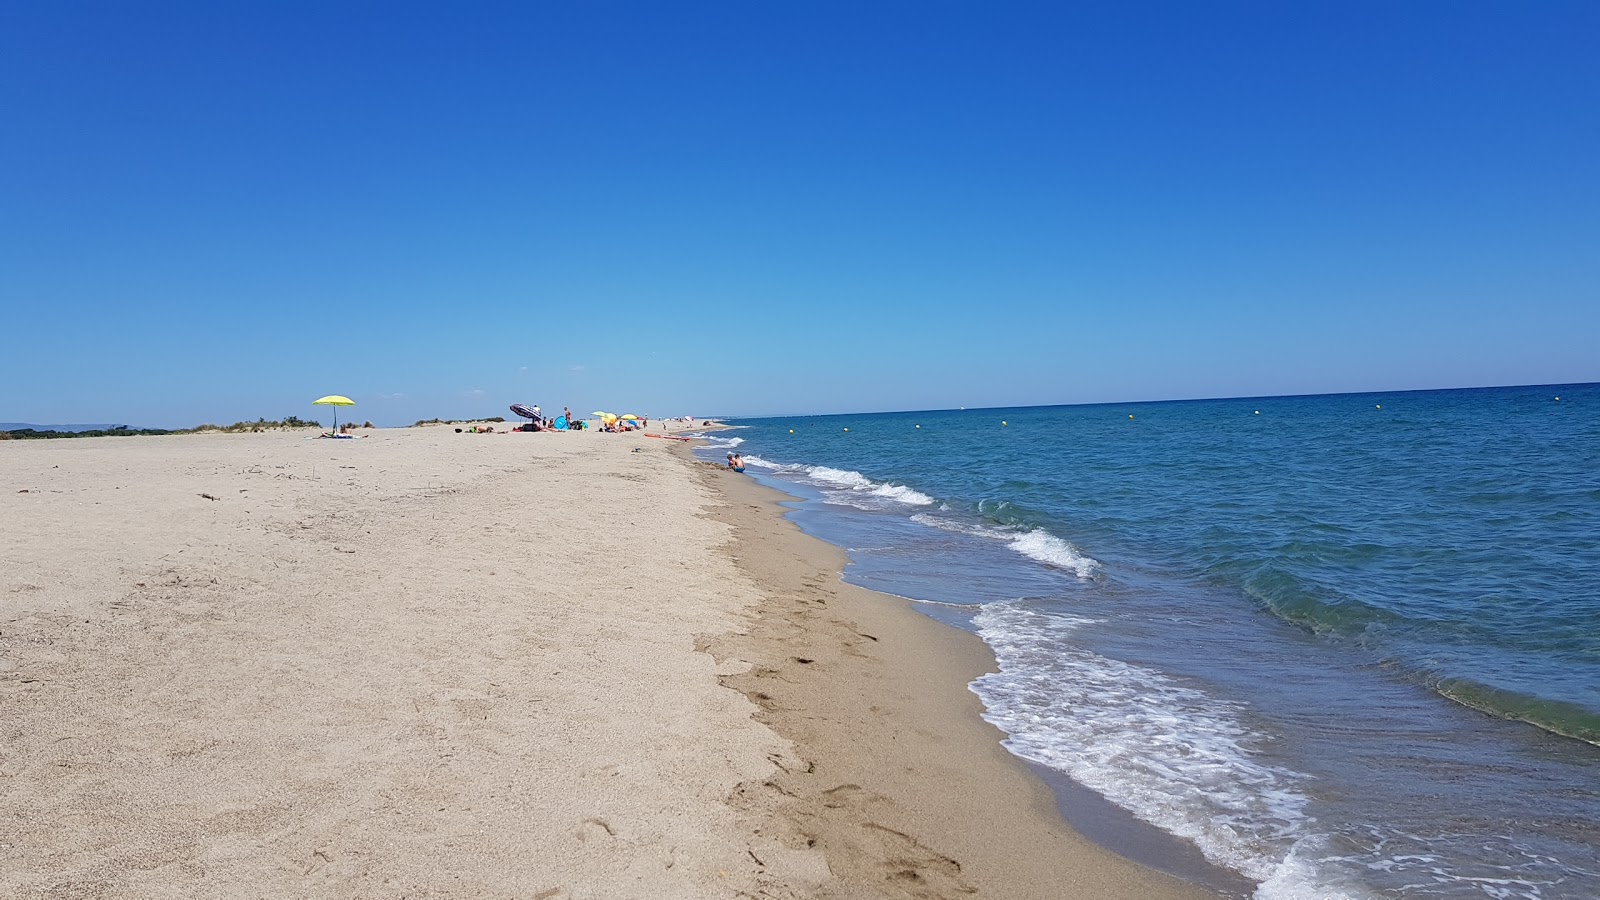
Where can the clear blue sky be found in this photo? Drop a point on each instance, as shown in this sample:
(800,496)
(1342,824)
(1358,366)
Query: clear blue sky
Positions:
(216,211)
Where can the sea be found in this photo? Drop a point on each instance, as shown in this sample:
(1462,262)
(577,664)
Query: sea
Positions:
(1329,646)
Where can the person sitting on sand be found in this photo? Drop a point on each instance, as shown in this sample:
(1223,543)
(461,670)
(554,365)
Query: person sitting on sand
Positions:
(736,462)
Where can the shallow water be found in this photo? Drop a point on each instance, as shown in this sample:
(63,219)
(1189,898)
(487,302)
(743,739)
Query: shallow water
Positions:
(1344,645)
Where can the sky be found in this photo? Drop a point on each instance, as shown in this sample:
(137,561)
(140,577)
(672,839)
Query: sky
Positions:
(212,212)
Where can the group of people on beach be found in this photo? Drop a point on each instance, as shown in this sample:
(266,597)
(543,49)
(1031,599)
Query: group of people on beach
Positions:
(613,424)
(736,462)
(541,422)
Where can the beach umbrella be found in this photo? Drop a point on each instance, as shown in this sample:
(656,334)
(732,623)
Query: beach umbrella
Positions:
(631,417)
(335,401)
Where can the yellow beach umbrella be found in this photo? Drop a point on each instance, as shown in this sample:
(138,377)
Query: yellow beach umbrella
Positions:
(335,401)
(631,417)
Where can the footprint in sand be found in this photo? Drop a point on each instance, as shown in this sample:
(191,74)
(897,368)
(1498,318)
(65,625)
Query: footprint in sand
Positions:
(595,827)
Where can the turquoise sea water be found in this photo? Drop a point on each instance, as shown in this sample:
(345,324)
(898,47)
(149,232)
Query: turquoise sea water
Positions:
(1345,645)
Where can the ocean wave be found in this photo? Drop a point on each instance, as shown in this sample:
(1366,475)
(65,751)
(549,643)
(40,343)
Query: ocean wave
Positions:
(1037,544)
(1326,612)
(841,477)
(944,523)
(1560,717)
(1047,548)
(845,486)
(1299,877)
(903,494)
(1169,753)
(1433,864)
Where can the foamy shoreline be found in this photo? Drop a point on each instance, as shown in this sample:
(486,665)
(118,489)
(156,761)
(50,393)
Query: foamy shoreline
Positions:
(422,662)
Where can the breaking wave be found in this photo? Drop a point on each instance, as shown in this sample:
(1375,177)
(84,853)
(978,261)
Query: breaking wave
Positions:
(1037,544)
(846,487)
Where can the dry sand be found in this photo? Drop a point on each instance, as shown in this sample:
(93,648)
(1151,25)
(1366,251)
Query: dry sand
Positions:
(430,664)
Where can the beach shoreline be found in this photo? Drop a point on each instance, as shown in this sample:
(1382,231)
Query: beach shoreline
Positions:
(905,786)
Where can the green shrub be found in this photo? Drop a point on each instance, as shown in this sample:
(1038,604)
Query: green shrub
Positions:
(25,434)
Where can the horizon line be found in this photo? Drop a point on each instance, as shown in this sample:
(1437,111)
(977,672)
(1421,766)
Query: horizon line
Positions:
(888,412)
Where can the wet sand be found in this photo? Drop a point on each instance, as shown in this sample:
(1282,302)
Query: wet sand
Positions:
(905,789)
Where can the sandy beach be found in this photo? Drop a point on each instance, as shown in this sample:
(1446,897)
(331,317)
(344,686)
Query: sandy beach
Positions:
(427,663)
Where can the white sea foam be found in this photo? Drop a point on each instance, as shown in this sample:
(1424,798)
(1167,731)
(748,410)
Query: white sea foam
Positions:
(903,494)
(1036,544)
(841,477)
(1047,548)
(846,487)
(1434,863)
(1167,752)
(1297,877)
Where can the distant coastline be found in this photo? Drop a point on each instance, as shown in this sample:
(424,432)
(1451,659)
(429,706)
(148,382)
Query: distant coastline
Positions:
(22,431)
